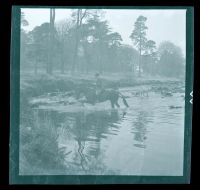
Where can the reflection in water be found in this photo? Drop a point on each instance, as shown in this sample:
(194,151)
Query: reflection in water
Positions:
(91,128)
(81,146)
(80,137)
(88,130)
(139,128)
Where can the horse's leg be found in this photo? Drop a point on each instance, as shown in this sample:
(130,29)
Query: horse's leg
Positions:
(117,104)
(112,104)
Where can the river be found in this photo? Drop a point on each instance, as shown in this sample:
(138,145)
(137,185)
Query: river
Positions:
(145,139)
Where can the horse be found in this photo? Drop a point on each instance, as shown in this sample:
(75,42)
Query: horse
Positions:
(111,95)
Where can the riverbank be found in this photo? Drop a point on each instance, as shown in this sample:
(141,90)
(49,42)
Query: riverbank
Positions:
(67,82)
(59,89)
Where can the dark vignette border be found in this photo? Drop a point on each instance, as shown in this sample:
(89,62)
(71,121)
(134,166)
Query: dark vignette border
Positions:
(14,178)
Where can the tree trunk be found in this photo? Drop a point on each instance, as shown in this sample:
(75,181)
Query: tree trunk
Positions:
(76,42)
(140,64)
(100,58)
(140,50)
(75,55)
(87,58)
(62,67)
(132,68)
(140,60)
(62,70)
(51,41)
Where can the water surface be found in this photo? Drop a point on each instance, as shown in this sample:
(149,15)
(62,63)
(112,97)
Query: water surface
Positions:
(145,139)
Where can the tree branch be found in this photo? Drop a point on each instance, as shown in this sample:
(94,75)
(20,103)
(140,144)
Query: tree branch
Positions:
(83,15)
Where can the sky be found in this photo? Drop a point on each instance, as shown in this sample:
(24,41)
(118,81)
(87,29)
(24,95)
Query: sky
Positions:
(163,24)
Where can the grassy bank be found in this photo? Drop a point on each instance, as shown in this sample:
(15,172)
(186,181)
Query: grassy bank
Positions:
(38,84)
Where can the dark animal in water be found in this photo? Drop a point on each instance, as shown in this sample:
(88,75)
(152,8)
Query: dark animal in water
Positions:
(108,94)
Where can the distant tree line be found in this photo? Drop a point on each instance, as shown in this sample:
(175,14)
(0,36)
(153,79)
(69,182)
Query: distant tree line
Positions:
(85,43)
